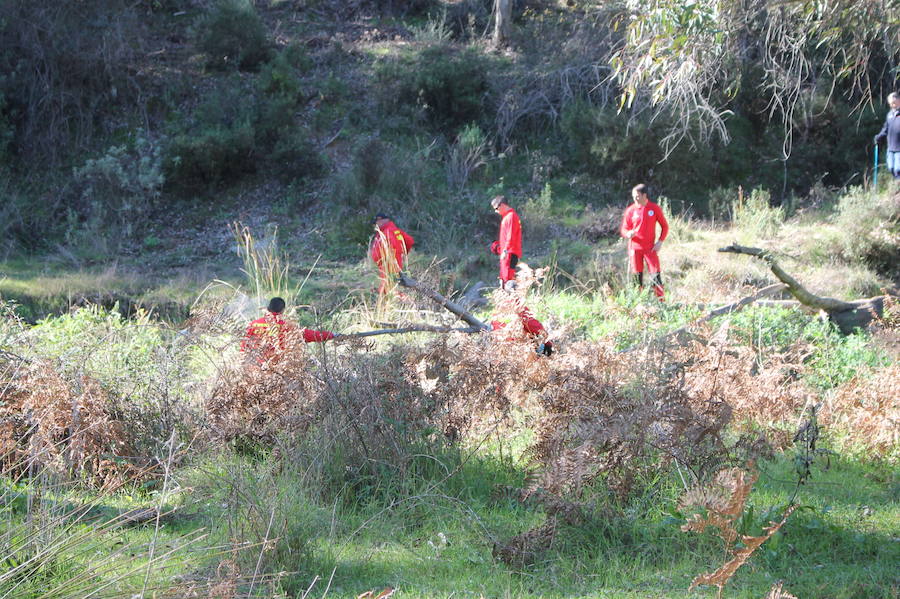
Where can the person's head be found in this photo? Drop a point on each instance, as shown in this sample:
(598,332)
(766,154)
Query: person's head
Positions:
(893,100)
(497,202)
(276,305)
(380,219)
(640,194)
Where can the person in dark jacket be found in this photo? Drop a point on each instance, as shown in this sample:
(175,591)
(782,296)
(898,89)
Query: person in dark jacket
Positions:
(891,131)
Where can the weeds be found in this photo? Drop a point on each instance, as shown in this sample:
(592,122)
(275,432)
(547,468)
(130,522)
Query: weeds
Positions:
(265,266)
(756,217)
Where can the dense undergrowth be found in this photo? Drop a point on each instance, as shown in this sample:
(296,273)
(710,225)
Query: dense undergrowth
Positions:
(462,463)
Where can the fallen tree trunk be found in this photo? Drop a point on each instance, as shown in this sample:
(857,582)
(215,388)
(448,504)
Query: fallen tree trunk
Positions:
(453,307)
(407,329)
(848,316)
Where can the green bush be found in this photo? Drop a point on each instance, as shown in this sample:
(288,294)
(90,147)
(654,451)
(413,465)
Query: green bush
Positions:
(66,67)
(295,157)
(449,87)
(211,155)
(381,176)
(244,127)
(834,359)
(756,216)
(121,187)
(870,227)
(117,351)
(233,36)
(279,77)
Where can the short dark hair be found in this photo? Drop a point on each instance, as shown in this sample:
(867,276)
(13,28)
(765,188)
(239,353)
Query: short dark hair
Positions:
(379,216)
(641,188)
(497,200)
(276,305)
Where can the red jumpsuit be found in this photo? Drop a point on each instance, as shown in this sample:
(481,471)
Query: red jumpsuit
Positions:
(643,219)
(266,336)
(509,245)
(531,327)
(388,250)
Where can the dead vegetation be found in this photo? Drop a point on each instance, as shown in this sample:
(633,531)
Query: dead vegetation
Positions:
(723,500)
(47,421)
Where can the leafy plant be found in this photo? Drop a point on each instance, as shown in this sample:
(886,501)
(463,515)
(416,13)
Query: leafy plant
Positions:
(233,36)
(871,229)
(466,156)
(120,187)
(755,216)
(448,86)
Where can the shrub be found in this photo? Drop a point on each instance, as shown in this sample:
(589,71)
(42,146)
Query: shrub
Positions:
(447,85)
(434,30)
(233,36)
(295,157)
(756,216)
(211,155)
(278,77)
(121,187)
(466,156)
(66,66)
(871,230)
(216,143)
(240,129)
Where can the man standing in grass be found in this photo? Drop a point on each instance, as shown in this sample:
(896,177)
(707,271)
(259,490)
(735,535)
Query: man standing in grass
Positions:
(269,336)
(891,131)
(639,228)
(509,244)
(388,250)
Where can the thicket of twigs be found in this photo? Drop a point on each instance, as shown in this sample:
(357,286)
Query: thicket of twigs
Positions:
(598,413)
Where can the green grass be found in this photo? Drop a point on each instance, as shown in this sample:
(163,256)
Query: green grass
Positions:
(433,538)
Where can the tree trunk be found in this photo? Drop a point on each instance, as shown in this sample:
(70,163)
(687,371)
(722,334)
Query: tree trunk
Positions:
(443,301)
(848,316)
(502,20)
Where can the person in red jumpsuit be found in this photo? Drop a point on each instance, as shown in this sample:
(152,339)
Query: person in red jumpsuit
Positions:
(531,329)
(639,228)
(509,244)
(269,336)
(388,250)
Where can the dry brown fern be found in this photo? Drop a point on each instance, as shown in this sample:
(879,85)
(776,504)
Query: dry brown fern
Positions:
(49,421)
(777,592)
(866,410)
(723,500)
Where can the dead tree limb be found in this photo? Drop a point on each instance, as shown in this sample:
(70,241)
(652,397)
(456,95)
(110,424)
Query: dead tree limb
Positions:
(409,329)
(846,315)
(453,307)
